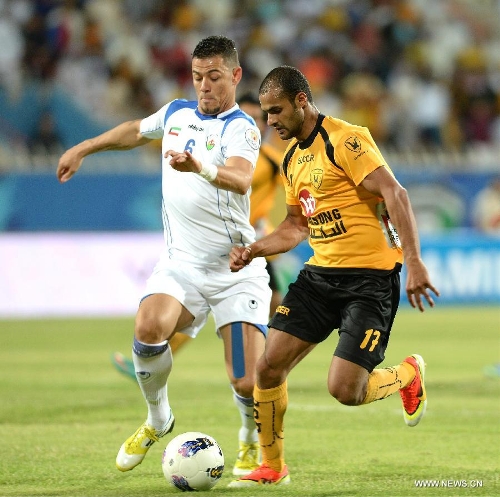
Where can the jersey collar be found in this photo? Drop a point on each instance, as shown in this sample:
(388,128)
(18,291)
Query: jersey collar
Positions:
(308,141)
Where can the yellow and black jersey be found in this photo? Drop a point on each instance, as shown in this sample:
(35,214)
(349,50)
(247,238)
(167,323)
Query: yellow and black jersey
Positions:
(349,227)
(265,180)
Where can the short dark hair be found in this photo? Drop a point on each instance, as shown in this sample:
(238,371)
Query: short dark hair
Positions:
(288,80)
(217,45)
(251,98)
(248,98)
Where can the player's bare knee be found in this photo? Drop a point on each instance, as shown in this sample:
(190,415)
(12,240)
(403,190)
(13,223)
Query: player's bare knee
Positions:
(148,330)
(244,386)
(269,375)
(346,395)
(263,367)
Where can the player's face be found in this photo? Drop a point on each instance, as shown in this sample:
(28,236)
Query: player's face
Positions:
(286,117)
(215,84)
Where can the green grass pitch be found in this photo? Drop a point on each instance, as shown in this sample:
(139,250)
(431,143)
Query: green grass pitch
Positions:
(64,412)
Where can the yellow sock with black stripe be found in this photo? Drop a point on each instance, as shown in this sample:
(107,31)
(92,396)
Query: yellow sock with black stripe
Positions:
(386,381)
(269,410)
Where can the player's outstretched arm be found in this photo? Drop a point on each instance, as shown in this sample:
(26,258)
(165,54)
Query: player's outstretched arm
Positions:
(125,136)
(380,182)
(287,235)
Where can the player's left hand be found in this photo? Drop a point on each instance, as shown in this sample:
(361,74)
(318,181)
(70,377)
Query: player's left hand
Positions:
(239,257)
(418,285)
(68,165)
(183,161)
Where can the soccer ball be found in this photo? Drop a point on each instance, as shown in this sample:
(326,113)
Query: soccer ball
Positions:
(193,461)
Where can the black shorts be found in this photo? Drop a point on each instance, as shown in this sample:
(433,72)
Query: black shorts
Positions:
(273,281)
(360,303)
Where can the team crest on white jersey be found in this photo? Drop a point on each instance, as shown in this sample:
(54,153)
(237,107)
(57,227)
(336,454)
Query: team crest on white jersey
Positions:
(252,138)
(211,142)
(308,203)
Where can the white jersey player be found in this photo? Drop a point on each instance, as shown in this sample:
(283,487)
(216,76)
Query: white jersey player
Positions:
(209,151)
(201,221)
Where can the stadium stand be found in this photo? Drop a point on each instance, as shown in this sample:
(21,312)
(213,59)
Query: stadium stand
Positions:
(423,75)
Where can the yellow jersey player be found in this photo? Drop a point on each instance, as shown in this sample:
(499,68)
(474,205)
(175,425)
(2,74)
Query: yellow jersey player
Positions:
(343,197)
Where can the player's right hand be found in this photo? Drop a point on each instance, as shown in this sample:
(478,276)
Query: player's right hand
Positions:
(239,257)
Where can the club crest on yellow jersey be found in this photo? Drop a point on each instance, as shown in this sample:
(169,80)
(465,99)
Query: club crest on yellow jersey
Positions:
(316,177)
(353,144)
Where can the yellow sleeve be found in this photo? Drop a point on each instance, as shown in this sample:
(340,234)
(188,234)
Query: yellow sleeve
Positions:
(290,198)
(358,155)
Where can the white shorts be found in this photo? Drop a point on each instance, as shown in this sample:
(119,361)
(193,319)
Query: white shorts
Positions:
(232,297)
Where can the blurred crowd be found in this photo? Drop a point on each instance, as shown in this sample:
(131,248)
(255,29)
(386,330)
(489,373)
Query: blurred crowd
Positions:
(423,75)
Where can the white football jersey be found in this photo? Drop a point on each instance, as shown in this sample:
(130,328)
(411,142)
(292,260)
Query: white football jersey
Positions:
(202,222)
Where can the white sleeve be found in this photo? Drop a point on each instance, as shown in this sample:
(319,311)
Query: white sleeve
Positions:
(152,126)
(242,139)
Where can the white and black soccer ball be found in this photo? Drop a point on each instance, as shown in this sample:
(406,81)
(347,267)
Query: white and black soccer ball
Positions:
(193,461)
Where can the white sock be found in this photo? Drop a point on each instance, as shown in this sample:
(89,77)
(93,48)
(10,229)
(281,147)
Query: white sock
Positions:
(152,374)
(248,430)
